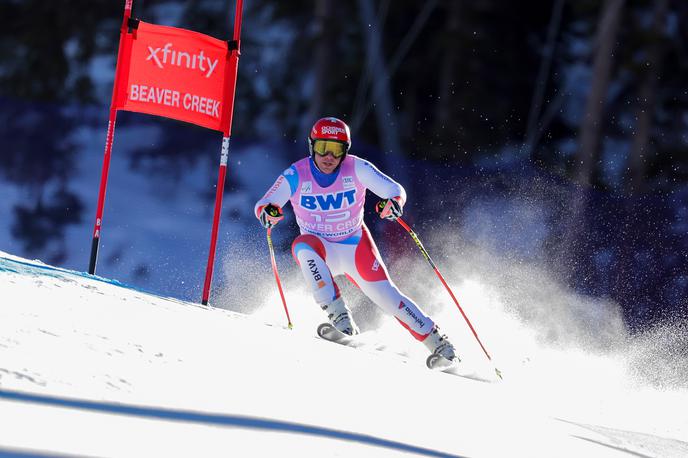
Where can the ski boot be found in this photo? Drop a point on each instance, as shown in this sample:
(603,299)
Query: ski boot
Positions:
(340,317)
(443,352)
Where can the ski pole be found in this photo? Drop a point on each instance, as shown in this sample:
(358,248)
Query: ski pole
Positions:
(277,278)
(439,275)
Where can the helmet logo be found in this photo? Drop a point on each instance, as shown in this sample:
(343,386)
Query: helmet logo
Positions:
(332,130)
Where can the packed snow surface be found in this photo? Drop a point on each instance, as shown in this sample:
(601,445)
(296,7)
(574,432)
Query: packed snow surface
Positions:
(89,366)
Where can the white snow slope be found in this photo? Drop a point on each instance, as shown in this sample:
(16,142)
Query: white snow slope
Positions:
(91,367)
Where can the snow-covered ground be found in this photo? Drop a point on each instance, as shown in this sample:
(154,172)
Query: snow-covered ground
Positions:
(91,367)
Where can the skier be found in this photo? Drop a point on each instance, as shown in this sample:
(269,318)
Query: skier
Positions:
(327,193)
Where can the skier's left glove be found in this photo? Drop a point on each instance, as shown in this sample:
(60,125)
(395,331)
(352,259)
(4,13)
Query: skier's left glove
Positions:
(390,209)
(270,215)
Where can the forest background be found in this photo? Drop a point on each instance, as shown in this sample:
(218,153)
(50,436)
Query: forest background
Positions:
(549,132)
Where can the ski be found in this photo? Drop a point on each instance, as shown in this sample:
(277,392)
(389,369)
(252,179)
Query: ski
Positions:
(437,362)
(433,362)
(328,332)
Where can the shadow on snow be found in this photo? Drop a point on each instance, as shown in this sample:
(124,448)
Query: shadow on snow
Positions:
(238,421)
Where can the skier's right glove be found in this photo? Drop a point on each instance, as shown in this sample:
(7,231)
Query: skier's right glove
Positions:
(270,215)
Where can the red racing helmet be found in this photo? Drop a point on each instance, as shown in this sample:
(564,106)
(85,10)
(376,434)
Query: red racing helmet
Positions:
(330,129)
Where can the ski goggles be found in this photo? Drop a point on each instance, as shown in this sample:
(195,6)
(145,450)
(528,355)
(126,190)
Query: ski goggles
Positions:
(323,147)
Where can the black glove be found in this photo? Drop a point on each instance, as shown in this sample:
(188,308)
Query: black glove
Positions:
(270,215)
(389,209)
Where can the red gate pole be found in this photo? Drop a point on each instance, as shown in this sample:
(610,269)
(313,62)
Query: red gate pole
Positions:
(108,144)
(228,111)
(216,219)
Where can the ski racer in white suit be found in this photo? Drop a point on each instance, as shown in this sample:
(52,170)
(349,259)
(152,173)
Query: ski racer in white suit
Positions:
(327,193)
